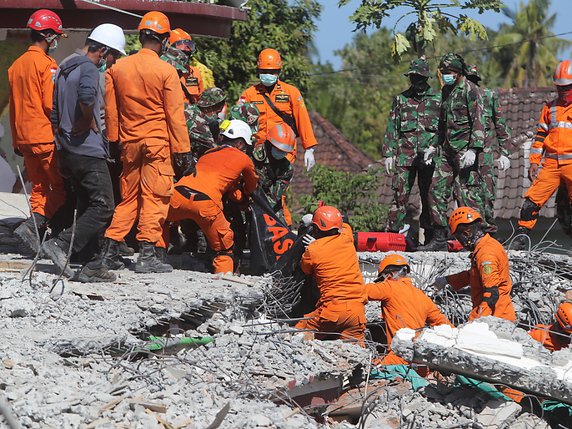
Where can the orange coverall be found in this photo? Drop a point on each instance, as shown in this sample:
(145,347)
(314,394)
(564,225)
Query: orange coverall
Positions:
(31,79)
(489,278)
(554,142)
(403,306)
(218,171)
(544,334)
(193,81)
(340,310)
(287,99)
(145,114)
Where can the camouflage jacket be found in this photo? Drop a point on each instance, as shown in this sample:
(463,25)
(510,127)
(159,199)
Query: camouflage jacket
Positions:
(495,125)
(462,117)
(412,125)
(202,134)
(274,176)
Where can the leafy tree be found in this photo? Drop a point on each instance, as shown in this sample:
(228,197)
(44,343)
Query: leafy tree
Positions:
(531,52)
(432,17)
(274,24)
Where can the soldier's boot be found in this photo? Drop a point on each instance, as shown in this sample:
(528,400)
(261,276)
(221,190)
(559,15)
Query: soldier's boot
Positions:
(148,262)
(161,253)
(57,251)
(521,239)
(94,271)
(26,233)
(125,250)
(438,241)
(110,257)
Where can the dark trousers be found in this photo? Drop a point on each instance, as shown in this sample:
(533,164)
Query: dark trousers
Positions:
(91,183)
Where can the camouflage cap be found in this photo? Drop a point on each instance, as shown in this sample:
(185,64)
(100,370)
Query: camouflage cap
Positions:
(453,62)
(247,112)
(420,67)
(176,58)
(211,97)
(472,70)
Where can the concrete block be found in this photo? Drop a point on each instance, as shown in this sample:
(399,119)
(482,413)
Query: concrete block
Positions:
(498,413)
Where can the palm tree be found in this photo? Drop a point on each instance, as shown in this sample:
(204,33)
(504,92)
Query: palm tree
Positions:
(530,51)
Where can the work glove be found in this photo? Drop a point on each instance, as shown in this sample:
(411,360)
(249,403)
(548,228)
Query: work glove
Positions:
(184,164)
(307,219)
(440,283)
(309,160)
(532,172)
(389,164)
(504,163)
(468,158)
(427,155)
(404,229)
(307,240)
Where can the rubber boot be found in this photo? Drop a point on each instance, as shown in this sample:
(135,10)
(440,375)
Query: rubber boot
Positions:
(148,262)
(521,239)
(110,257)
(438,241)
(26,233)
(125,250)
(96,272)
(57,251)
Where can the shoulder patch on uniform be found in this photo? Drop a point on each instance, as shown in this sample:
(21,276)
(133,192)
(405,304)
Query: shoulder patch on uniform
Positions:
(487,267)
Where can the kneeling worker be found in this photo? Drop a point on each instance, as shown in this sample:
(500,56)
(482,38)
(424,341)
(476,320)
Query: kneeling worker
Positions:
(402,304)
(198,196)
(332,259)
(556,336)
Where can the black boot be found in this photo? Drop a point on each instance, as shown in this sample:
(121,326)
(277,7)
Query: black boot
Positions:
(125,250)
(161,253)
(26,233)
(110,257)
(94,271)
(438,241)
(521,239)
(148,262)
(57,251)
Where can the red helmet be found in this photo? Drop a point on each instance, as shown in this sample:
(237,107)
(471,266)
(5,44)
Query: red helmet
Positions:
(564,316)
(282,137)
(327,218)
(45,19)
(463,215)
(563,74)
(269,59)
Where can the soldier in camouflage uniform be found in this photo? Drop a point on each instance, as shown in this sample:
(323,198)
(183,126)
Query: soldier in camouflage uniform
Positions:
(247,112)
(497,141)
(203,121)
(459,150)
(411,128)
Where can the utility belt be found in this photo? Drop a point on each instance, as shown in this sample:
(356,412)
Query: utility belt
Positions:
(191,194)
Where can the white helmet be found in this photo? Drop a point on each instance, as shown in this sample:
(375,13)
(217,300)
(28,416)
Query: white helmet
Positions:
(239,129)
(109,35)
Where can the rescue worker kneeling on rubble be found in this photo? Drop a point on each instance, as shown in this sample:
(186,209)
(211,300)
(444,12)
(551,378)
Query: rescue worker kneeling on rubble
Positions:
(198,195)
(331,257)
(402,304)
(489,275)
(557,335)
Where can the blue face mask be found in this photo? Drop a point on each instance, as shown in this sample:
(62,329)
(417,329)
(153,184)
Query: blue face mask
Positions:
(277,154)
(449,79)
(102,66)
(268,79)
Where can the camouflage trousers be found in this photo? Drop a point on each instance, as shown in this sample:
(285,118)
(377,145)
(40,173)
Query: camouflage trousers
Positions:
(489,189)
(465,185)
(401,184)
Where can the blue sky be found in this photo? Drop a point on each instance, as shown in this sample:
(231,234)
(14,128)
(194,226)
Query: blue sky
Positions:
(335,29)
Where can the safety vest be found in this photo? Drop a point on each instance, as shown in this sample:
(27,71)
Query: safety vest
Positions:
(554,134)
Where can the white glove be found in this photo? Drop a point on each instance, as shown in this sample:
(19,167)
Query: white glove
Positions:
(389,164)
(307,219)
(504,163)
(427,155)
(405,228)
(307,240)
(309,160)
(440,283)
(468,158)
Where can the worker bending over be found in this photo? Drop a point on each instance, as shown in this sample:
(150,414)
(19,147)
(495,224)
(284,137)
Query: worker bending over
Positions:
(557,335)
(332,259)
(489,275)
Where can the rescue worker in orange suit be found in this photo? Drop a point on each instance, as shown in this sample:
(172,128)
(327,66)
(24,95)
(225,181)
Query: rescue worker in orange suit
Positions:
(145,115)
(331,258)
(191,80)
(489,276)
(280,103)
(402,304)
(557,335)
(31,80)
(198,196)
(552,148)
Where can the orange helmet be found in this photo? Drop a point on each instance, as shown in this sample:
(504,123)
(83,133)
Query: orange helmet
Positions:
(564,316)
(327,218)
(282,137)
(563,74)
(463,215)
(269,59)
(156,22)
(182,40)
(393,260)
